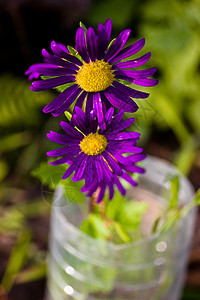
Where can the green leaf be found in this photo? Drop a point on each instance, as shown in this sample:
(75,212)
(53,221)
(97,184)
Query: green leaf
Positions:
(114,207)
(3,169)
(63,87)
(74,52)
(49,175)
(15,140)
(186,156)
(131,214)
(16,260)
(171,219)
(83,26)
(95,227)
(121,232)
(52,177)
(196,202)
(175,185)
(31,274)
(18,102)
(68,115)
(110,44)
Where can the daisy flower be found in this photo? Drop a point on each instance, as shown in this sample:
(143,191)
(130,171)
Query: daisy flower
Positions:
(94,71)
(95,153)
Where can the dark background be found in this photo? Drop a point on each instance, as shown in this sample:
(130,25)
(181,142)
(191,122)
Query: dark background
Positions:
(169,120)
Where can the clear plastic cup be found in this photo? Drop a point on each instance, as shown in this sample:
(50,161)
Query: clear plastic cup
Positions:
(152,268)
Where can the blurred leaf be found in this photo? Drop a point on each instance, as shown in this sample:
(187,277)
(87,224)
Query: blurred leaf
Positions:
(175,186)
(49,175)
(52,177)
(121,232)
(3,169)
(11,220)
(16,260)
(168,111)
(113,9)
(131,214)
(95,227)
(18,102)
(194,203)
(15,140)
(186,156)
(31,274)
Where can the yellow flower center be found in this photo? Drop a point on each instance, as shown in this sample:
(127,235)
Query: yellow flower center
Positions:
(93,144)
(95,76)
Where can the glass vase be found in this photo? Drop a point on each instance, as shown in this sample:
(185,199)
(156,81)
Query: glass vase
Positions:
(152,268)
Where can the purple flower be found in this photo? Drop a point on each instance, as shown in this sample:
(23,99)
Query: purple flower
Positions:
(95,153)
(94,72)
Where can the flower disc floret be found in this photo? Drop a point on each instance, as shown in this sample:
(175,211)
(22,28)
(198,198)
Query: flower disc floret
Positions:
(93,144)
(95,76)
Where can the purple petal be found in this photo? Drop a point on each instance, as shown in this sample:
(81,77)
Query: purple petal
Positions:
(129,179)
(131,149)
(137,157)
(103,33)
(59,99)
(135,74)
(132,63)
(80,100)
(129,51)
(89,174)
(111,190)
(99,169)
(81,44)
(92,189)
(89,103)
(43,65)
(118,44)
(71,130)
(93,121)
(134,169)
(97,104)
(61,109)
(112,163)
(107,173)
(116,127)
(120,101)
(62,139)
(109,115)
(63,151)
(64,54)
(145,82)
(81,120)
(42,85)
(55,71)
(58,61)
(119,186)
(129,91)
(122,135)
(32,74)
(80,170)
(64,159)
(118,157)
(91,43)
(118,117)
(101,193)
(74,165)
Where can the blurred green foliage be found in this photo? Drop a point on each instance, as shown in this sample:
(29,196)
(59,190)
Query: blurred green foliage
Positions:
(172,32)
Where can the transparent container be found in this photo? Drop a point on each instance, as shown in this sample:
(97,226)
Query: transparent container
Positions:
(83,268)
